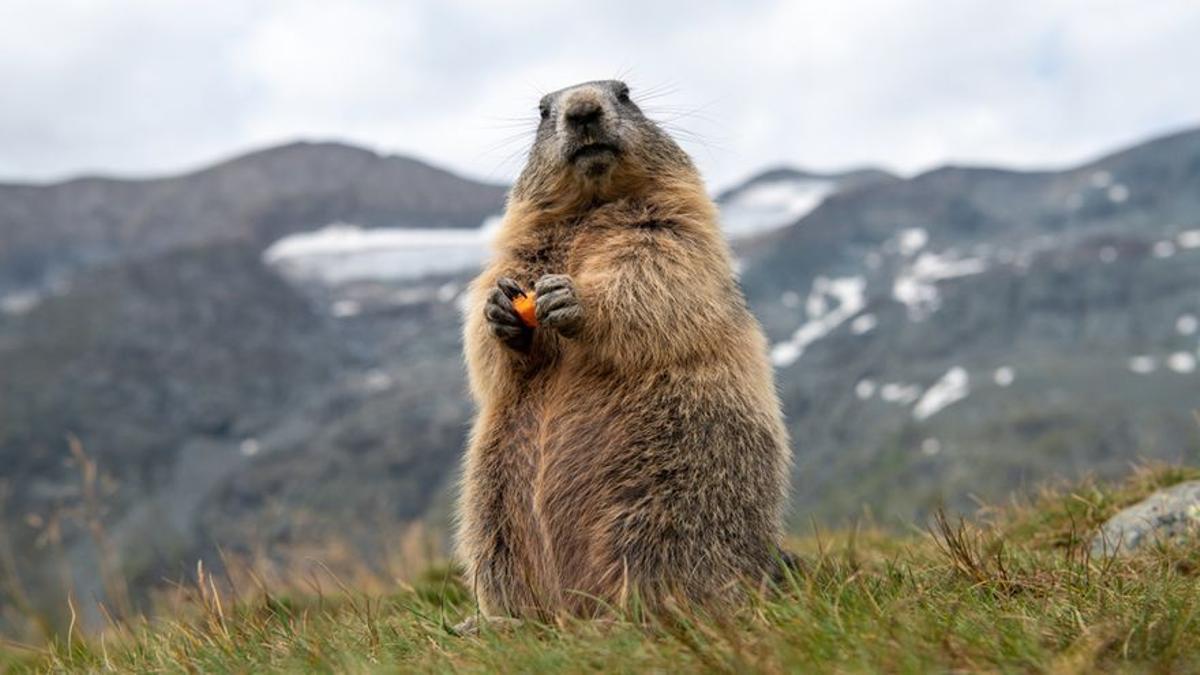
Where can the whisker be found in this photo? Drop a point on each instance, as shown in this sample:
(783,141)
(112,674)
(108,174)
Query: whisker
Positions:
(687,136)
(523,137)
(538,90)
(655,94)
(508,126)
(518,118)
(685,115)
(661,89)
(517,142)
(690,111)
(508,161)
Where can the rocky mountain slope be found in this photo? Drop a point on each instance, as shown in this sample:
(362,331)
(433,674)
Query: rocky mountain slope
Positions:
(50,231)
(971,329)
(141,318)
(778,197)
(261,355)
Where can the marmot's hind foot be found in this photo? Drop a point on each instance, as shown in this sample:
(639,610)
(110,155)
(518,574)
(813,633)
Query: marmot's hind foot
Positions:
(789,566)
(474,625)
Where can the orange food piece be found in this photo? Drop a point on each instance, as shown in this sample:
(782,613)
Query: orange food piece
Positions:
(526,309)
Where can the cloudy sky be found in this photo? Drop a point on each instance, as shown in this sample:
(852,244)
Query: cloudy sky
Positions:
(138,87)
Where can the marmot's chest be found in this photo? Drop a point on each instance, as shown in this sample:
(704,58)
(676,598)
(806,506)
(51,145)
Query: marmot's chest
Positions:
(543,254)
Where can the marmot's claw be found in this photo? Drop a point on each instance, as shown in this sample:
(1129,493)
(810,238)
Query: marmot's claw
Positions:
(557,305)
(510,288)
(503,321)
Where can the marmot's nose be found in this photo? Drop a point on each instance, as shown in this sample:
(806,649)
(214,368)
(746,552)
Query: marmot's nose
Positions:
(582,115)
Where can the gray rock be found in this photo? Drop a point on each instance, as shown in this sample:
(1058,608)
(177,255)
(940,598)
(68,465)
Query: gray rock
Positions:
(1167,515)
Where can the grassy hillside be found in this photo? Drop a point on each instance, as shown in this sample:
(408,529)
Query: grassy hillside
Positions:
(1016,591)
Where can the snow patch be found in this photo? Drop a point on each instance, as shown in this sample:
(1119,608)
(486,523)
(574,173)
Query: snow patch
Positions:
(342,252)
(249,447)
(403,297)
(865,389)
(912,240)
(816,306)
(863,324)
(344,309)
(1164,249)
(850,295)
(447,292)
(916,286)
(1004,376)
(1143,364)
(1189,239)
(953,387)
(771,205)
(1118,193)
(19,302)
(463,303)
(1182,362)
(376,381)
(1101,179)
(1187,324)
(931,447)
(899,392)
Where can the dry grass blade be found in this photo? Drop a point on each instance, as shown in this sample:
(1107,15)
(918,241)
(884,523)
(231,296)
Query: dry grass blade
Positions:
(964,550)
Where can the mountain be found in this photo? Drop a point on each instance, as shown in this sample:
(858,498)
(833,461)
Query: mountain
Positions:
(263,356)
(48,232)
(971,330)
(778,197)
(141,318)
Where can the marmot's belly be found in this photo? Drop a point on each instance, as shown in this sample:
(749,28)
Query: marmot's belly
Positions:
(670,454)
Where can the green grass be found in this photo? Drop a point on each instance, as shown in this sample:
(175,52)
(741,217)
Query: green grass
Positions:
(1016,592)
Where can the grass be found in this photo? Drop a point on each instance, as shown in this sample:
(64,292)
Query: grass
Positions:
(1017,590)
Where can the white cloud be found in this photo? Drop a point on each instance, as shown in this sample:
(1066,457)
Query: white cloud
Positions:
(139,86)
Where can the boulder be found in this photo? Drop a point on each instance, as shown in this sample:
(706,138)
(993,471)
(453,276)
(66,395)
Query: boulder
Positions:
(1168,515)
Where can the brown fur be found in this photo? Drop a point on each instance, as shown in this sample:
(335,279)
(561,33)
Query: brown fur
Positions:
(646,454)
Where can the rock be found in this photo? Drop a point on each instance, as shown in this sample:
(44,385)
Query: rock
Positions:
(1166,515)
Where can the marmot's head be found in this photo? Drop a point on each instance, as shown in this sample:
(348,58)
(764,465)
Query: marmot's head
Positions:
(593,142)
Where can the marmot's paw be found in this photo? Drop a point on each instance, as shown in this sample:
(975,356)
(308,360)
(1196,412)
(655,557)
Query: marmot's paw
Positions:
(503,320)
(557,305)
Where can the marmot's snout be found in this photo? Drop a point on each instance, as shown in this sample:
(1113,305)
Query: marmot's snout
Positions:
(589,128)
(584,116)
(594,136)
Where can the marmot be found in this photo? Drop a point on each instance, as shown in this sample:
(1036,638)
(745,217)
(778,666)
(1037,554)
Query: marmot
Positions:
(632,444)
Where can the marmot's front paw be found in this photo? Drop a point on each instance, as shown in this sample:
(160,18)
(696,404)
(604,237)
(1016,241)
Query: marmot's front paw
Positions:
(503,320)
(557,305)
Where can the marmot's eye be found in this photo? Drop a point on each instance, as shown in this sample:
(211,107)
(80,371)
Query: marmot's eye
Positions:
(623,95)
(545,111)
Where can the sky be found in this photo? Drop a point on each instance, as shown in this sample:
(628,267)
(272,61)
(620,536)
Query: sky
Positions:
(145,87)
